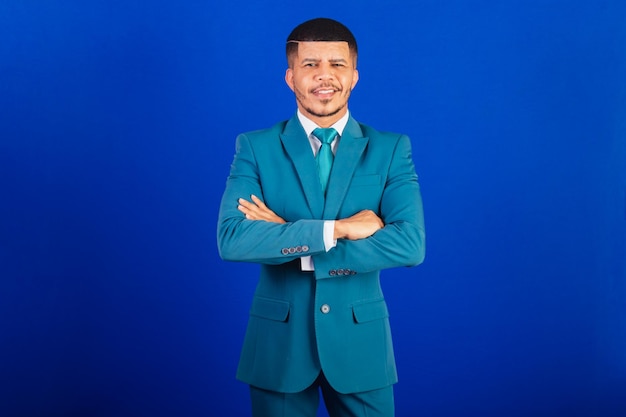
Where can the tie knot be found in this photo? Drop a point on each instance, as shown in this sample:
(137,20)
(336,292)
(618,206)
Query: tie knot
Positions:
(325,134)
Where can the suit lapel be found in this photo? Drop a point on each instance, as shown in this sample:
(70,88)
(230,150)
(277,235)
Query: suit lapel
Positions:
(346,160)
(299,150)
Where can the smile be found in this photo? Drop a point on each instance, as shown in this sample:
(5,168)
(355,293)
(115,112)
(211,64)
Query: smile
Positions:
(325,93)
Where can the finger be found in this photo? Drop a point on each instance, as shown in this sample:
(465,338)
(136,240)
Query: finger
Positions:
(243,209)
(250,214)
(258,201)
(246,203)
(247,207)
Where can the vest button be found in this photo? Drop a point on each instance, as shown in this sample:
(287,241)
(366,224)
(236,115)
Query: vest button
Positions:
(325,308)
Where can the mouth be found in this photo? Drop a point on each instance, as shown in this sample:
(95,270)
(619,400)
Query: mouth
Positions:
(324,92)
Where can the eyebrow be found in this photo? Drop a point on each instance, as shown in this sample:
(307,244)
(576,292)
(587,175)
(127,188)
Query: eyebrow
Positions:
(332,60)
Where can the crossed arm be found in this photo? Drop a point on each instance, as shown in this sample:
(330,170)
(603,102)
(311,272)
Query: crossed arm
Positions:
(359,226)
(365,242)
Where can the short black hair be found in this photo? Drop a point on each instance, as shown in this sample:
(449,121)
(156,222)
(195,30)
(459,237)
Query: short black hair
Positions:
(320,29)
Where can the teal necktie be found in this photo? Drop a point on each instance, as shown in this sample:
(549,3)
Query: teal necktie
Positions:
(325,154)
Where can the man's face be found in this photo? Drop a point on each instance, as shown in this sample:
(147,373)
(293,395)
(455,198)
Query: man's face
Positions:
(322,75)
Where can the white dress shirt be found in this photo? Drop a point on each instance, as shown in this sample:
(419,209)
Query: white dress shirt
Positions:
(316,144)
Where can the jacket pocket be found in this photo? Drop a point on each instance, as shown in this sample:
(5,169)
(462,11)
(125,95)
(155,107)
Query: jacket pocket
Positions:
(270,309)
(370,311)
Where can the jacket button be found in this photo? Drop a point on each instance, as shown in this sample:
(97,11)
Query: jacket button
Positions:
(325,308)
(292,250)
(285,251)
(332,272)
(305,248)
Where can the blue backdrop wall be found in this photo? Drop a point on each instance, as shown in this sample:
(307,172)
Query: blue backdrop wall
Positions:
(117,128)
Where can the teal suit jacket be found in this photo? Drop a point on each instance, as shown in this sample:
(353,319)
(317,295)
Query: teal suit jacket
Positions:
(334,319)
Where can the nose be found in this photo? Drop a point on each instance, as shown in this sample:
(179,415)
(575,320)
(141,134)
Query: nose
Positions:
(326,72)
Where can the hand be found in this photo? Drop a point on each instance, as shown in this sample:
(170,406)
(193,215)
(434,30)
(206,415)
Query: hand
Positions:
(257,210)
(363,224)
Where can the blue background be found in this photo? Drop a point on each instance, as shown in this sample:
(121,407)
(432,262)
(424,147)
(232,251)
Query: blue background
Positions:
(117,128)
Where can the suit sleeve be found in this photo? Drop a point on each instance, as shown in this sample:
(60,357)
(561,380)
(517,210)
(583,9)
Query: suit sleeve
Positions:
(401,242)
(259,241)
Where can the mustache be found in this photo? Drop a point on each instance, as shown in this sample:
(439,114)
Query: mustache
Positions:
(326,86)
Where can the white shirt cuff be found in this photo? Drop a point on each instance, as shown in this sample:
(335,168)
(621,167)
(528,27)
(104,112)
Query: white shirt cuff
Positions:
(329,232)
(306,262)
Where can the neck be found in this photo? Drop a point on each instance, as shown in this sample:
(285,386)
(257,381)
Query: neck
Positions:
(324,121)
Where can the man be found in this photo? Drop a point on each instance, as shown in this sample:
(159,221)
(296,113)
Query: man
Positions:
(318,319)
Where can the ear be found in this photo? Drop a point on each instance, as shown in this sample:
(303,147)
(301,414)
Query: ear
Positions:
(289,78)
(355,77)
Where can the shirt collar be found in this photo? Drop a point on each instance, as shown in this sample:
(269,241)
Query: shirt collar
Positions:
(310,125)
